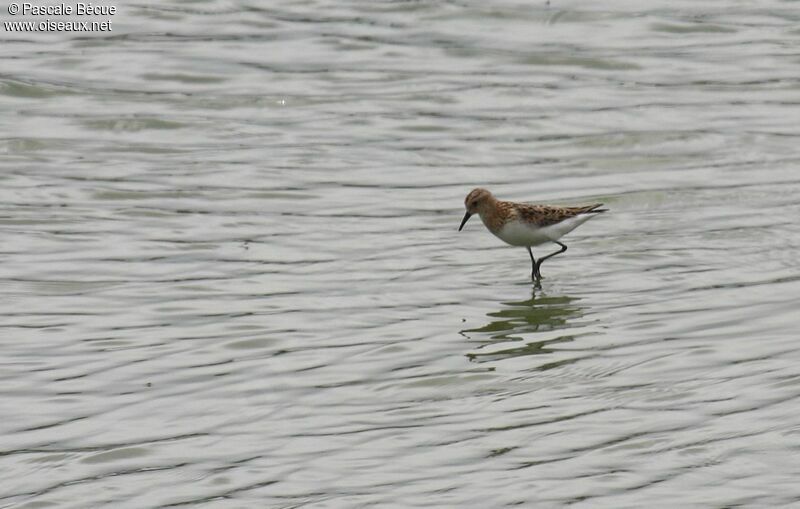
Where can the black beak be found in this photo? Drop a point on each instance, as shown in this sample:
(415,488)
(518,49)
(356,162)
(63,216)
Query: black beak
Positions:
(464,221)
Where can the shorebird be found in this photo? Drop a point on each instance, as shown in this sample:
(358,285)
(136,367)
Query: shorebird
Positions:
(520,224)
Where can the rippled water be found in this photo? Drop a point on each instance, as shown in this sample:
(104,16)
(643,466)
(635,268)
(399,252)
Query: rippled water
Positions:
(231,275)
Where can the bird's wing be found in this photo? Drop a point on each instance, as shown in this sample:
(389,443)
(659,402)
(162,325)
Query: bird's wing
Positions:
(546,215)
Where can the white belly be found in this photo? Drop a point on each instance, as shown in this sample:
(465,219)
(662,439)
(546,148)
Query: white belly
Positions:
(518,233)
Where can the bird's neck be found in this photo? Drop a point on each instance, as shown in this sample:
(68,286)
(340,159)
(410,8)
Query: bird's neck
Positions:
(495,213)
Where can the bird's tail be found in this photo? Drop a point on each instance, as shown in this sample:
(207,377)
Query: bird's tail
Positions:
(593,209)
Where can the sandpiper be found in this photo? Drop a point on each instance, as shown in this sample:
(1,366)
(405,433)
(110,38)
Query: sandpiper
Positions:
(519,224)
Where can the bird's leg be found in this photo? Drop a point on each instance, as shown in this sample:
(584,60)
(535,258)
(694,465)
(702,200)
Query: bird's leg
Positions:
(539,264)
(534,267)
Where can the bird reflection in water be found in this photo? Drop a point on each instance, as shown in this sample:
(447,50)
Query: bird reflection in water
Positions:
(518,320)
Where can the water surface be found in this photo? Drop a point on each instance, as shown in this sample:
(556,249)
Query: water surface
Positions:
(231,275)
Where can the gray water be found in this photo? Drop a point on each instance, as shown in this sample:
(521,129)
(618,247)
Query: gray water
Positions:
(230,273)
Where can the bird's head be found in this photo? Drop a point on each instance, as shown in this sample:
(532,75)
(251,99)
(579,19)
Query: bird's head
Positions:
(476,201)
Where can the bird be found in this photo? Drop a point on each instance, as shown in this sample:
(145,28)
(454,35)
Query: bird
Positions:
(521,224)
